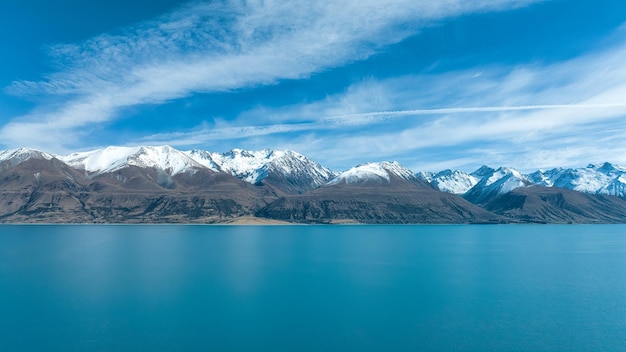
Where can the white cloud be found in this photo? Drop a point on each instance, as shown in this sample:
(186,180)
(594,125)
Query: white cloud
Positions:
(216,46)
(564,114)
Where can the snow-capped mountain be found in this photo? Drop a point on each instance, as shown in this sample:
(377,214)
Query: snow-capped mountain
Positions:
(158,184)
(500,181)
(606,179)
(426,176)
(482,172)
(381,172)
(289,170)
(245,164)
(12,157)
(451,181)
(456,181)
(205,158)
(110,159)
(20,155)
(295,173)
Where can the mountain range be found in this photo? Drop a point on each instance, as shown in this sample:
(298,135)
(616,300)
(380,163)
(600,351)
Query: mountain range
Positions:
(147,184)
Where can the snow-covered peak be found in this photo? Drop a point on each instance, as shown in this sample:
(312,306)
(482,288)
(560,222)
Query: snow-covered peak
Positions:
(603,178)
(243,163)
(109,159)
(426,176)
(17,156)
(607,168)
(374,172)
(500,181)
(482,172)
(256,166)
(204,158)
(506,177)
(454,181)
(292,165)
(544,177)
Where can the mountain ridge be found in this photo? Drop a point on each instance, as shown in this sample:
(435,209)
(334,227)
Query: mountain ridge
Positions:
(163,184)
(605,178)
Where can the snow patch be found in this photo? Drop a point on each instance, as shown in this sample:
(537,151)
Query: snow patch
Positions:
(254,166)
(376,172)
(17,156)
(452,181)
(606,179)
(110,159)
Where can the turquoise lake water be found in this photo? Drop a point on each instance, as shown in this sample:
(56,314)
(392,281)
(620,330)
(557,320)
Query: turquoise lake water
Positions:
(313,288)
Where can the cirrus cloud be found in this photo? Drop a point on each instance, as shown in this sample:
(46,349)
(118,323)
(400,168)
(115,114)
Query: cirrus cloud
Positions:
(214,47)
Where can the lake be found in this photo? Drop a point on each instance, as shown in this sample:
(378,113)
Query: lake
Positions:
(313,288)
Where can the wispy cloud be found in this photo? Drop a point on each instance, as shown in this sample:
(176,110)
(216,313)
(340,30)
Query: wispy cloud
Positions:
(211,47)
(342,121)
(568,113)
(533,115)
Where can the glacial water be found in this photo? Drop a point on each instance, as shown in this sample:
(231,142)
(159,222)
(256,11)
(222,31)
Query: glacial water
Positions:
(313,288)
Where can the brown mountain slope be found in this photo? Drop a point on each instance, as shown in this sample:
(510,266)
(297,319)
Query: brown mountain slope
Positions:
(399,201)
(558,205)
(49,191)
(200,196)
(39,190)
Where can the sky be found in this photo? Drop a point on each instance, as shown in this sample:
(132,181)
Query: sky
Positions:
(432,84)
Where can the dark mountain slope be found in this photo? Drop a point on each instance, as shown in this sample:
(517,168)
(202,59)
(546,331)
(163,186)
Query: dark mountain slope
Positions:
(200,196)
(39,190)
(399,201)
(49,191)
(558,205)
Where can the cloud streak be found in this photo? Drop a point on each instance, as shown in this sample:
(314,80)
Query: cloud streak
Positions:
(214,47)
(341,121)
(534,115)
(568,113)
(369,116)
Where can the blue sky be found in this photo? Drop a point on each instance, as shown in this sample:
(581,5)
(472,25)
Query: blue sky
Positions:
(432,84)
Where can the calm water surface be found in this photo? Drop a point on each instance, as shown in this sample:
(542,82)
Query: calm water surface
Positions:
(313,288)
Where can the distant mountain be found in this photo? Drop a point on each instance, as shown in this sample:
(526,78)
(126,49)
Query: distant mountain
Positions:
(451,181)
(495,183)
(376,193)
(164,159)
(143,184)
(205,158)
(605,179)
(163,184)
(483,171)
(560,195)
(13,157)
(557,205)
(376,173)
(288,171)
